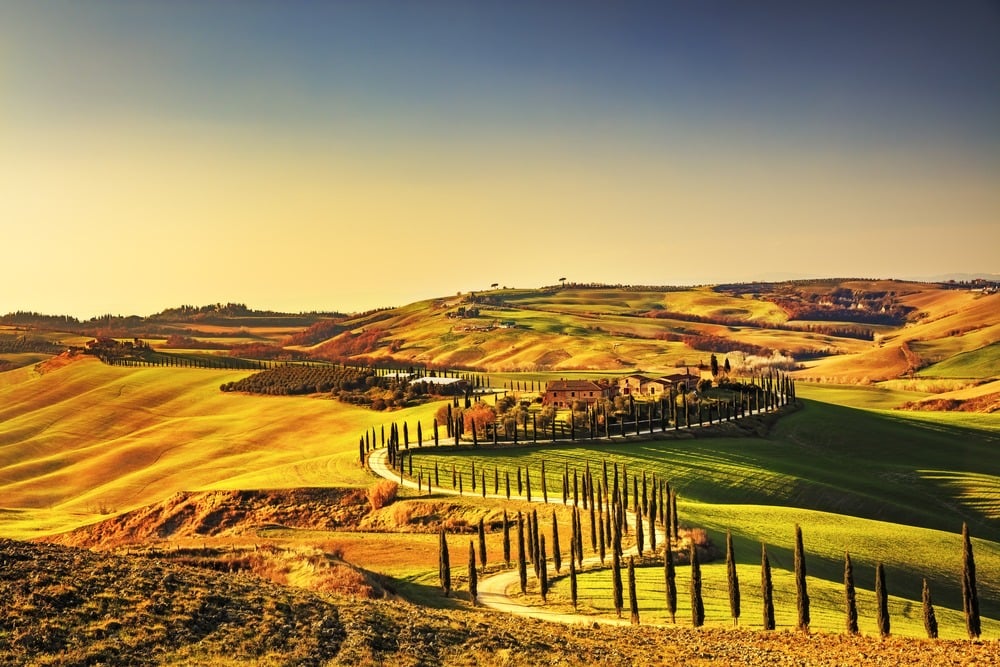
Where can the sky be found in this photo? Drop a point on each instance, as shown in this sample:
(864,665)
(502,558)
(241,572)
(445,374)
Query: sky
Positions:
(303,156)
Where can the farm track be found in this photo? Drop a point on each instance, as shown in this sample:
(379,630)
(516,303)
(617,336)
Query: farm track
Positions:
(493,590)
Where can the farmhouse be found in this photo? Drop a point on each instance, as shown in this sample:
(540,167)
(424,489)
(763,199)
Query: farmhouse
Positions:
(564,393)
(631,384)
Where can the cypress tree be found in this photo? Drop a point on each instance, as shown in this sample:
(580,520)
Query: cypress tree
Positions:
(733,580)
(633,600)
(535,535)
(674,521)
(473,582)
(850,598)
(572,581)
(600,542)
(930,620)
(522,567)
(607,528)
(667,515)
(593,527)
(882,601)
(506,539)
(970,597)
(444,564)
(482,482)
(556,556)
(506,482)
(801,593)
(579,537)
(766,590)
(532,553)
(543,570)
(496,481)
(697,606)
(640,541)
(616,583)
(670,579)
(652,522)
(482,545)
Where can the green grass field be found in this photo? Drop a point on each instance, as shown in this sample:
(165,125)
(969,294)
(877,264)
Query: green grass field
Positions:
(886,486)
(827,611)
(981,363)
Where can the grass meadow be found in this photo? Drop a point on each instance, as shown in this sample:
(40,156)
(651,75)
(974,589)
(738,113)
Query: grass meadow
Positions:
(885,486)
(89,440)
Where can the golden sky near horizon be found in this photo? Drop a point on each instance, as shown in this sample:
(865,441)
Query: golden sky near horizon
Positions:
(145,177)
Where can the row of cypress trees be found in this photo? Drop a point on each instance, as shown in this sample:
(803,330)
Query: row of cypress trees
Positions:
(531,545)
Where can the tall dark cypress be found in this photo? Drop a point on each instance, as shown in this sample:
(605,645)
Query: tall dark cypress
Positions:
(652,522)
(556,556)
(579,536)
(733,580)
(766,589)
(573,538)
(482,545)
(882,601)
(970,597)
(522,566)
(600,542)
(572,581)
(473,581)
(633,600)
(535,534)
(801,593)
(616,583)
(543,579)
(640,541)
(444,564)
(670,580)
(674,521)
(930,620)
(506,539)
(593,527)
(697,605)
(850,598)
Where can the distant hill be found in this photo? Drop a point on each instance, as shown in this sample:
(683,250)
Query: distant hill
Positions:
(836,329)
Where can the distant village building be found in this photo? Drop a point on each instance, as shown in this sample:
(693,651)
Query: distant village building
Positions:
(640,385)
(564,393)
(631,385)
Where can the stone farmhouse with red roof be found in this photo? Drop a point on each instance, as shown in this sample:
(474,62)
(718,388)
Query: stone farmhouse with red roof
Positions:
(564,393)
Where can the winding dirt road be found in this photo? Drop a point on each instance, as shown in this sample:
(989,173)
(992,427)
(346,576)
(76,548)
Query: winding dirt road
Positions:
(493,589)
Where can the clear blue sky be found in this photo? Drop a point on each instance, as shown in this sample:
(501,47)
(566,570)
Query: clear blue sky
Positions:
(348,155)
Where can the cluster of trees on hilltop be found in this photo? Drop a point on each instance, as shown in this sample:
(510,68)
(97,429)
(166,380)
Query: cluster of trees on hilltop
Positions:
(216,310)
(295,380)
(351,384)
(38,320)
(12,344)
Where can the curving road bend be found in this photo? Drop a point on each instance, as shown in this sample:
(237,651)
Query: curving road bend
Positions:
(493,589)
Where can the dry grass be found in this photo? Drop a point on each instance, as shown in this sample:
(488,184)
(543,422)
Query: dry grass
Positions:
(382,493)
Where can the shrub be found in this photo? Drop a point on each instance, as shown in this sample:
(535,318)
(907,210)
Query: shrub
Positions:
(382,493)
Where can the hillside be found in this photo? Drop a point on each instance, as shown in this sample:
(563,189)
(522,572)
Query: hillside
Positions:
(87,608)
(838,330)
